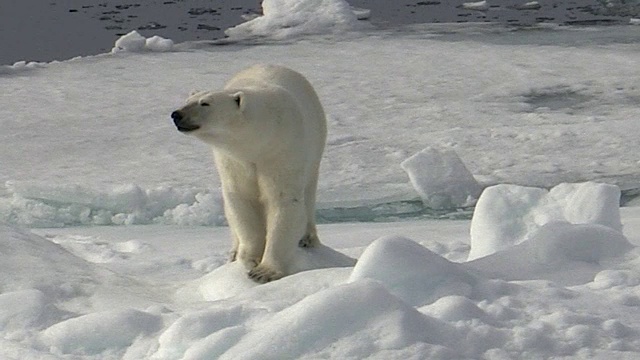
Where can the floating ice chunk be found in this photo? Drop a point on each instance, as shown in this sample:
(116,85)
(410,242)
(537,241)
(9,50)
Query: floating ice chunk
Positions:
(531,5)
(289,18)
(159,44)
(441,179)
(506,215)
(411,272)
(634,21)
(479,5)
(134,42)
(361,14)
(131,42)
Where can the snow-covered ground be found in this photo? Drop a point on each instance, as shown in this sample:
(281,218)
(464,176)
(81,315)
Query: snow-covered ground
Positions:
(536,273)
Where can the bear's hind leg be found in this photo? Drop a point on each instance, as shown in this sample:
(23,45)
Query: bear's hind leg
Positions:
(309,240)
(233,253)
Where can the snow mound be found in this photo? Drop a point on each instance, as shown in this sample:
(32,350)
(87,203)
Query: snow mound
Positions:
(557,242)
(284,19)
(134,42)
(455,308)
(231,279)
(506,215)
(411,271)
(569,254)
(566,253)
(19,309)
(362,315)
(441,179)
(27,260)
(97,332)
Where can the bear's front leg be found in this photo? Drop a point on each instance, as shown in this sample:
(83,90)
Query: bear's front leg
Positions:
(286,225)
(246,221)
(243,209)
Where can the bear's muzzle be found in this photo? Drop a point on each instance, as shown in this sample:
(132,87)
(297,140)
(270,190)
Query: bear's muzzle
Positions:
(182,123)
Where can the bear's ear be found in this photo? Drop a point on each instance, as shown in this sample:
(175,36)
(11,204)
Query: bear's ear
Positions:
(194,92)
(239,99)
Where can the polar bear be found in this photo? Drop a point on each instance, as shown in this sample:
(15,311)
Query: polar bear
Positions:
(267,130)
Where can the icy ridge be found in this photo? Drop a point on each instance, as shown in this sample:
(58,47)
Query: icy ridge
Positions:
(45,206)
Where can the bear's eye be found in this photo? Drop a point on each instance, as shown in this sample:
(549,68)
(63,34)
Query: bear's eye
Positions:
(204,104)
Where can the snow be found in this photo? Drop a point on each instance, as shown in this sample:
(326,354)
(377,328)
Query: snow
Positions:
(96,332)
(410,271)
(560,252)
(102,255)
(506,215)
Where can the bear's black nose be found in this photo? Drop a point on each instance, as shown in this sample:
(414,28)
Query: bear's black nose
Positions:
(182,122)
(176,116)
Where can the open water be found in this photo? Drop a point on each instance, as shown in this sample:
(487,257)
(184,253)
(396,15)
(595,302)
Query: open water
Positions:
(46,30)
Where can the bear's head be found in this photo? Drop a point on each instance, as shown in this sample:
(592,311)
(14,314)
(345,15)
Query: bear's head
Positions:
(208,115)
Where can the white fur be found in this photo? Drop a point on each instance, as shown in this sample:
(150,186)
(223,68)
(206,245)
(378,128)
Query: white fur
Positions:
(267,129)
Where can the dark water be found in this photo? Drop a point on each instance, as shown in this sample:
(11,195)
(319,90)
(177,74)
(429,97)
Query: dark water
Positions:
(45,30)
(415,209)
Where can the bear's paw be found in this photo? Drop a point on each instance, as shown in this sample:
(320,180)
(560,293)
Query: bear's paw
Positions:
(309,241)
(233,255)
(264,274)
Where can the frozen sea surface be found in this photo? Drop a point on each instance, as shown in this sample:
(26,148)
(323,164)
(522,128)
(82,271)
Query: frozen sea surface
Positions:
(529,113)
